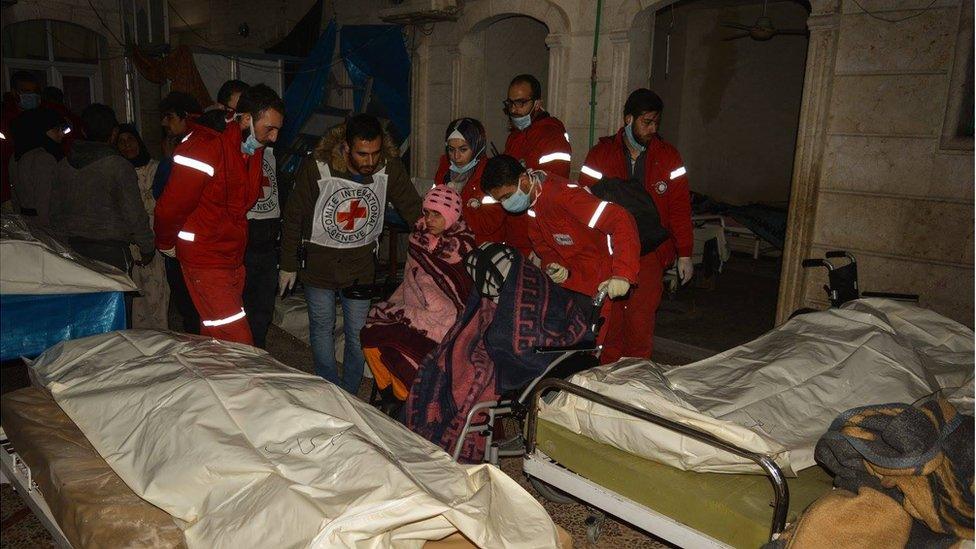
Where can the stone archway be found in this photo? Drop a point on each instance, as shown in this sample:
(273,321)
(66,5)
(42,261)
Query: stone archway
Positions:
(468,60)
(113,70)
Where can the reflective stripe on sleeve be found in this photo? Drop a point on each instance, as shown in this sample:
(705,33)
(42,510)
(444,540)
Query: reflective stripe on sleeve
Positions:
(183,235)
(221,321)
(195,164)
(566,135)
(2,136)
(546,158)
(609,245)
(678,173)
(572,186)
(597,214)
(531,213)
(185,137)
(488,200)
(591,172)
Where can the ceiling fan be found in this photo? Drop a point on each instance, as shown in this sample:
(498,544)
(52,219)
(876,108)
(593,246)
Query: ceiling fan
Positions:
(762,29)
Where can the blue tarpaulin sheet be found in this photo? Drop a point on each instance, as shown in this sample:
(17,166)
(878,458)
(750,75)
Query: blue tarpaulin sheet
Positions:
(307,90)
(29,324)
(378,51)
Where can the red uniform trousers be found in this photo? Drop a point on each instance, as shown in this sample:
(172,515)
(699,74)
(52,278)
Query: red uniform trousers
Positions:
(216,293)
(632,319)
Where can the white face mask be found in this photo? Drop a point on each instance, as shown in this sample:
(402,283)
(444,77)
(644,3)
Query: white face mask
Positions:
(521,122)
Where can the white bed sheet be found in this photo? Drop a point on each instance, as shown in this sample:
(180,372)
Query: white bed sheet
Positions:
(245,452)
(32,261)
(777,395)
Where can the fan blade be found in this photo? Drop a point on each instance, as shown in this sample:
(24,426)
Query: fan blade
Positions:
(736,37)
(739,26)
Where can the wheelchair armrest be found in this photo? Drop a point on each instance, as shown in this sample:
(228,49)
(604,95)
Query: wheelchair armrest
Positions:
(579,347)
(913,298)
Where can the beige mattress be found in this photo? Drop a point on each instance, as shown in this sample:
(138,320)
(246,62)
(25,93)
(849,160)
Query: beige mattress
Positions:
(90,503)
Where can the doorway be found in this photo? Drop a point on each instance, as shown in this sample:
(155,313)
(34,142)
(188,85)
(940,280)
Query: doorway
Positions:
(732,92)
(514,44)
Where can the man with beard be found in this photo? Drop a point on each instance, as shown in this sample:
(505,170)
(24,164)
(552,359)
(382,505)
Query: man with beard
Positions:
(201,216)
(638,153)
(333,219)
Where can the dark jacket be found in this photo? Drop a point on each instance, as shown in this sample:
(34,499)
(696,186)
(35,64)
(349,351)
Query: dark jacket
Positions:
(96,197)
(335,268)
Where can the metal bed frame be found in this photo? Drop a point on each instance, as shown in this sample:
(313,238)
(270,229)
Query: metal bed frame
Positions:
(540,466)
(15,472)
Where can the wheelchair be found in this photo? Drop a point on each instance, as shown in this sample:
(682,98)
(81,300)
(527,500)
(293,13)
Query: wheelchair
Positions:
(842,283)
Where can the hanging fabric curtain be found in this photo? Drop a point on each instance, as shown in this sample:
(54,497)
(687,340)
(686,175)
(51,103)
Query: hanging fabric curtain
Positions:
(177,67)
(378,51)
(307,90)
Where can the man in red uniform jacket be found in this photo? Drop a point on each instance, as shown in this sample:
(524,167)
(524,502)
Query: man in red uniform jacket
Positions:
(537,140)
(585,244)
(201,216)
(24,95)
(638,152)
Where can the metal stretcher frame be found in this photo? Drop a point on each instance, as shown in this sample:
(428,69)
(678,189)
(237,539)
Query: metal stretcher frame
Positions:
(541,466)
(14,471)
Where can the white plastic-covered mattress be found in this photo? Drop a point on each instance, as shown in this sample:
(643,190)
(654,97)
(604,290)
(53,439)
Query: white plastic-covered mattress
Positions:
(245,452)
(34,262)
(777,395)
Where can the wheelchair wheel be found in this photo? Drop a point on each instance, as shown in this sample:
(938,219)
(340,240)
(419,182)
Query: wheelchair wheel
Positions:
(554,495)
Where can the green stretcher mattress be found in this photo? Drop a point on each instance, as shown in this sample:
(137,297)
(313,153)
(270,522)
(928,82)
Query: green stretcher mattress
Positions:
(732,508)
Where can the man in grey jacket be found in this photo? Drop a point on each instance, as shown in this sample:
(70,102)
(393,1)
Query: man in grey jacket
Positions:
(95,202)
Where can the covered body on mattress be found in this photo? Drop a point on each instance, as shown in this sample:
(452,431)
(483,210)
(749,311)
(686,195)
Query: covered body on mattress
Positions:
(777,394)
(242,451)
(49,293)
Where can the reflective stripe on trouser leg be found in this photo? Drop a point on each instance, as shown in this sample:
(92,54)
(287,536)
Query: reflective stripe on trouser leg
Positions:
(217,295)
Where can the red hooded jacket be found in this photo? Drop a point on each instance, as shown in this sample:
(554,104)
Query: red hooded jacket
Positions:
(665,180)
(544,145)
(486,220)
(11,110)
(203,210)
(592,238)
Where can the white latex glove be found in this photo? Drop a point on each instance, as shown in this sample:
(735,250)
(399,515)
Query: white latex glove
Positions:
(170,252)
(286,281)
(557,272)
(615,287)
(685,269)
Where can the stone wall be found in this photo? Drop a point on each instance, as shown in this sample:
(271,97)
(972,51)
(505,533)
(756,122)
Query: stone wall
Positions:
(874,175)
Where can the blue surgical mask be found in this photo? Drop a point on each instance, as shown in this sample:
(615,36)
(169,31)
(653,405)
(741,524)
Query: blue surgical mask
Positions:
(518,202)
(251,144)
(629,134)
(467,167)
(29,101)
(521,122)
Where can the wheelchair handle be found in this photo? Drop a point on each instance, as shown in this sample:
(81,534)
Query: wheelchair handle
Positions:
(809,263)
(599,298)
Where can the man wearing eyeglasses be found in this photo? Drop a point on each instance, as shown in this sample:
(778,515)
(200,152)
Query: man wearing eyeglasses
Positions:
(638,153)
(536,139)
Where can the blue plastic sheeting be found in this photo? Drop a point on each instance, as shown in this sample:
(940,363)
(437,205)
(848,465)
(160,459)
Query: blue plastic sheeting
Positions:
(378,51)
(307,90)
(29,324)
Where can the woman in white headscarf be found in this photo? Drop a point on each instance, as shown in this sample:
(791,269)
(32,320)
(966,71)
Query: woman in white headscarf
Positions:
(460,168)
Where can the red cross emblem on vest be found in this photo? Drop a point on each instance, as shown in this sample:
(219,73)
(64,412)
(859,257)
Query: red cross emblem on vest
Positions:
(347,217)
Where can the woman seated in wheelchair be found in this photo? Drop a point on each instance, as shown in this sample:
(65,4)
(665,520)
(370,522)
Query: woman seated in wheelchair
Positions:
(491,350)
(402,330)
